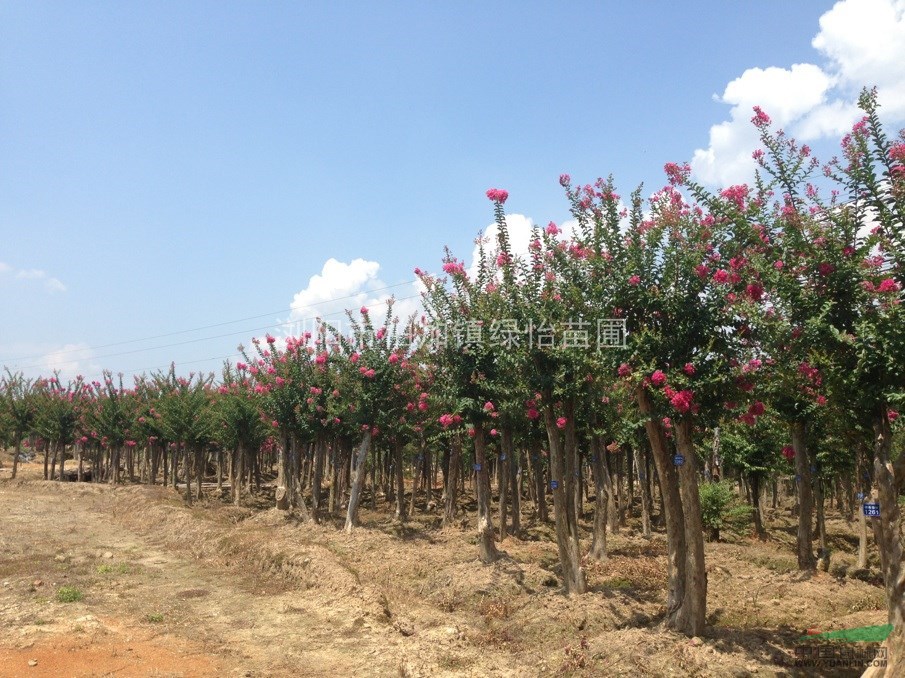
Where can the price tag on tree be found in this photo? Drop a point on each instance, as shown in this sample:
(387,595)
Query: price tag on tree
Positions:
(872,510)
(679,460)
(477,467)
(554,484)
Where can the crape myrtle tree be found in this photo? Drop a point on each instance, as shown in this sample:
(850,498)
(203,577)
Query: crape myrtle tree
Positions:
(380,380)
(468,364)
(109,413)
(873,173)
(185,418)
(17,408)
(238,426)
(685,338)
(56,418)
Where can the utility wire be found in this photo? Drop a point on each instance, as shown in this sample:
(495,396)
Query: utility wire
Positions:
(203,327)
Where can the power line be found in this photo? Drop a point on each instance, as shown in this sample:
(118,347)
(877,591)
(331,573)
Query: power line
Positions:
(203,327)
(208,338)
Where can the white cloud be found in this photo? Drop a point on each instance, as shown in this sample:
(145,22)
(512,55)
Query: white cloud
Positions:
(54,285)
(51,284)
(71,360)
(862,43)
(340,286)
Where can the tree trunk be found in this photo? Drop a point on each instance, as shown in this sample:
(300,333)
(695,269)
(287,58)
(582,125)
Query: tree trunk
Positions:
(400,481)
(694,608)
(515,482)
(487,550)
(806,559)
(358,481)
(187,463)
(505,461)
(598,545)
(317,491)
(672,513)
(756,504)
(452,481)
(16,457)
(284,476)
(643,481)
(887,533)
(563,506)
(540,487)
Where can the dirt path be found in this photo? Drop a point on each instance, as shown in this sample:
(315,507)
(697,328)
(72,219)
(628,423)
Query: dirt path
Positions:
(214,590)
(146,611)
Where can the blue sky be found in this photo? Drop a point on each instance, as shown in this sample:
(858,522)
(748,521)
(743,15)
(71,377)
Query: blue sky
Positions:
(171,166)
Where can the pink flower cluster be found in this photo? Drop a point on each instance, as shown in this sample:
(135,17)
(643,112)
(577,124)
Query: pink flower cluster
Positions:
(454,268)
(497,195)
(447,420)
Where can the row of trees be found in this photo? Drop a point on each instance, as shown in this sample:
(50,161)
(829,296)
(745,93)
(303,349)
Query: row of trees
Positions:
(763,320)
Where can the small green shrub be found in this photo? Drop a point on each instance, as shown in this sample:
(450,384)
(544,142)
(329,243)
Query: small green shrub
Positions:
(69,594)
(722,509)
(154,617)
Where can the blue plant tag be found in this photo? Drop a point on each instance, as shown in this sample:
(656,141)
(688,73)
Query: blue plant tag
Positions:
(859,496)
(477,467)
(678,460)
(872,510)
(554,484)
(502,457)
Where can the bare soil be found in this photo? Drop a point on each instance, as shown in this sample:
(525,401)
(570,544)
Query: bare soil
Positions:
(214,590)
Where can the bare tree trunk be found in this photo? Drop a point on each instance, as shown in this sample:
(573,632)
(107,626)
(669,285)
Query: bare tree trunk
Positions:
(16,457)
(694,608)
(643,481)
(358,481)
(672,512)
(400,481)
(888,535)
(505,461)
(598,545)
(487,550)
(187,463)
(317,492)
(563,506)
(515,481)
(452,481)
(540,487)
(756,505)
(819,499)
(805,496)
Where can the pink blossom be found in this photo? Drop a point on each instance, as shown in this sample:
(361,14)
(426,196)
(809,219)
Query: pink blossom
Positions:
(497,195)
(760,118)
(354,358)
(701,271)
(689,369)
(275,423)
(363,310)
(533,414)
(493,432)
(892,415)
(422,406)
(755,291)
(552,229)
(721,276)
(756,408)
(658,378)
(778,265)
(888,285)
(561,422)
(394,358)
(825,268)
(502,259)
(564,180)
(677,174)
(682,400)
(454,268)
(321,358)
(788,452)
(634,280)
(280,381)
(624,370)
(488,406)
(821,400)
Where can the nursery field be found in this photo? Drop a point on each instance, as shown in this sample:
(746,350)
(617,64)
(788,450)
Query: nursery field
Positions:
(127,580)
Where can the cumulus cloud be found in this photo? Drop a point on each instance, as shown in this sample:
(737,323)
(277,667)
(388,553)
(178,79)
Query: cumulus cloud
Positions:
(340,286)
(862,43)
